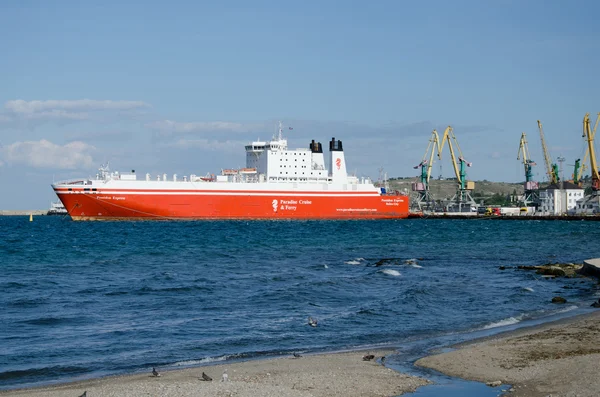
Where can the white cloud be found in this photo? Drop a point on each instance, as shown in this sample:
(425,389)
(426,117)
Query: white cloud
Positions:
(45,154)
(176,127)
(64,109)
(21,106)
(208,145)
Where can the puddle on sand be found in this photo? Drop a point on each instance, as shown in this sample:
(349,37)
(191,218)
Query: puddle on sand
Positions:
(458,388)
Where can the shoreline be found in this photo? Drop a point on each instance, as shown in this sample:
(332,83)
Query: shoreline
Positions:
(323,375)
(560,357)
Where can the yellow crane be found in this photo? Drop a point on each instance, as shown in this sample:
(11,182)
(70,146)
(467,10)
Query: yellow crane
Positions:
(463,195)
(551,169)
(530,186)
(583,167)
(424,199)
(589,135)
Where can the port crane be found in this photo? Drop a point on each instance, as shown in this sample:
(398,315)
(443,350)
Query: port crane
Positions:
(551,169)
(531,187)
(424,199)
(462,198)
(589,135)
(581,167)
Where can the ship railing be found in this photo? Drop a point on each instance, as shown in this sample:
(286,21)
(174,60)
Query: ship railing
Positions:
(74,182)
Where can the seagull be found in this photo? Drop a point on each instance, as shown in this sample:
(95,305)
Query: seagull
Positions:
(205,377)
(297,355)
(155,372)
(312,321)
(368,357)
(225,377)
(84,394)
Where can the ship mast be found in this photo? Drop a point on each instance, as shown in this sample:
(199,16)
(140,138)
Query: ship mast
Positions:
(280,131)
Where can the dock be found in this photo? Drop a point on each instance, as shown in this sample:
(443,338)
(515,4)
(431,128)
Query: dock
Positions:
(23,212)
(471,216)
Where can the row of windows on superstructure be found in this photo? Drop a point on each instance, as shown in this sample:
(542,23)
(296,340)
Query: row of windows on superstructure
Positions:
(296,173)
(296,153)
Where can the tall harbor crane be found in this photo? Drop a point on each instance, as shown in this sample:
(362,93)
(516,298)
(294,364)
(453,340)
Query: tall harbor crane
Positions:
(583,165)
(424,199)
(551,169)
(462,199)
(531,187)
(589,135)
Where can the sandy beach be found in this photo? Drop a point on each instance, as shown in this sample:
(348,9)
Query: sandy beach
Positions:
(560,358)
(554,359)
(324,375)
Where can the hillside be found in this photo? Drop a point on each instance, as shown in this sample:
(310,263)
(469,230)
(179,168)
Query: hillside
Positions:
(445,189)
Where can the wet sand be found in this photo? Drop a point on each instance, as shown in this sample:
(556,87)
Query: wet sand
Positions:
(561,358)
(323,375)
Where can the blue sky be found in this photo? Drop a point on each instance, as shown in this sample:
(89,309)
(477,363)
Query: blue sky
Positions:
(181,86)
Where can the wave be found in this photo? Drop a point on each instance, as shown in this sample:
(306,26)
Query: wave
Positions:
(52,320)
(13,284)
(207,360)
(25,302)
(190,288)
(356,261)
(391,272)
(32,373)
(504,322)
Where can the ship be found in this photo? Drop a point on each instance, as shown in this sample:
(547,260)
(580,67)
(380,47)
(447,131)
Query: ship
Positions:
(57,208)
(276,183)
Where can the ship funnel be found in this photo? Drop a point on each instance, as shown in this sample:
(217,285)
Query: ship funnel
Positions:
(315,147)
(337,162)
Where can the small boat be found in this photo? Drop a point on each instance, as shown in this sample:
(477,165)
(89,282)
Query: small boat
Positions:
(57,208)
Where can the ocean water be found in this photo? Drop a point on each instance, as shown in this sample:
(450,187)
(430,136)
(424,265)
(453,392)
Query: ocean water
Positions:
(88,299)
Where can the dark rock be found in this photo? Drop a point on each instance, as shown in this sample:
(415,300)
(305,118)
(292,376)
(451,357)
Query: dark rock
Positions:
(559,299)
(502,268)
(523,267)
(596,304)
(552,271)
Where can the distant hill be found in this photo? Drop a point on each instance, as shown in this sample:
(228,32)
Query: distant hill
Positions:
(484,190)
(445,189)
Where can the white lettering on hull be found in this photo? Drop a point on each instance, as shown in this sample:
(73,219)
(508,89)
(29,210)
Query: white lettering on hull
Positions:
(291,204)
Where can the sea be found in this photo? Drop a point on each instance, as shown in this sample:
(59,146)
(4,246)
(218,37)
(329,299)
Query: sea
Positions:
(82,300)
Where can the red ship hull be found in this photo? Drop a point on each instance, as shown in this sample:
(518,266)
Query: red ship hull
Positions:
(84,205)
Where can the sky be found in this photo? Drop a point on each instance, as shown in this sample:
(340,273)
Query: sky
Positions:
(180,87)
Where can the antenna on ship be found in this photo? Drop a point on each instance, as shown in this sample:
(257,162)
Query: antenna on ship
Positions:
(280,131)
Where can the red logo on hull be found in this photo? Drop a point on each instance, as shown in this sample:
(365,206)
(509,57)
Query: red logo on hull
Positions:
(338,163)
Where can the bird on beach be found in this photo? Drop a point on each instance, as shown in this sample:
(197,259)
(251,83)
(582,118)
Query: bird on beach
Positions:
(155,372)
(368,357)
(225,377)
(205,377)
(297,355)
(312,321)
(84,394)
